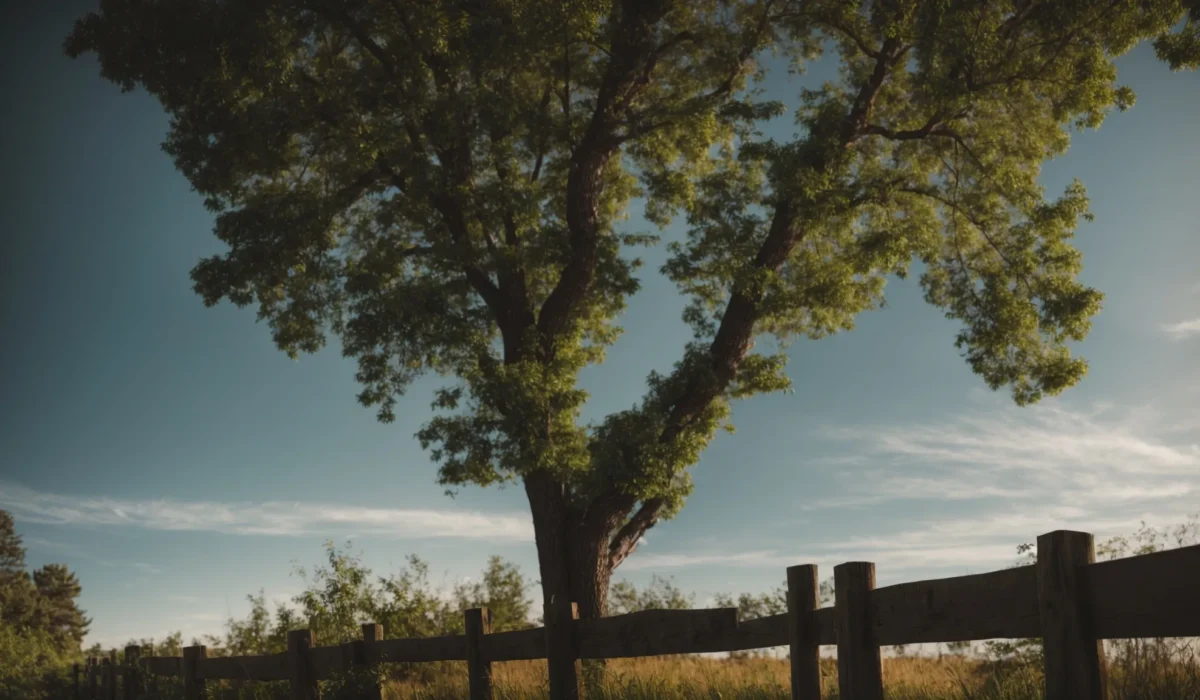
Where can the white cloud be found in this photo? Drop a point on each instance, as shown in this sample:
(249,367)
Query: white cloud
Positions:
(766,558)
(1183,329)
(267,518)
(1097,459)
(1023,471)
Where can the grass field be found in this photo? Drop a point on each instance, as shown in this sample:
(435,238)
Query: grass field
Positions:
(1148,676)
(1145,670)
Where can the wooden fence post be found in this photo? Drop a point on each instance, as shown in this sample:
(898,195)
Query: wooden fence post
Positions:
(300,670)
(1074,658)
(110,676)
(131,685)
(91,678)
(562,652)
(372,632)
(860,672)
(802,632)
(478,622)
(193,685)
(149,680)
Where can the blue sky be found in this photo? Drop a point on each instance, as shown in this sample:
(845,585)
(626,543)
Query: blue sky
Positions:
(177,461)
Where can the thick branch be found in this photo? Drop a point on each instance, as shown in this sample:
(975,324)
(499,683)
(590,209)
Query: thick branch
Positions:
(625,542)
(735,334)
(935,126)
(631,46)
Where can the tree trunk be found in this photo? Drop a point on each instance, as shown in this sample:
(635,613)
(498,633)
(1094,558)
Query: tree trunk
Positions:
(573,554)
(548,505)
(590,578)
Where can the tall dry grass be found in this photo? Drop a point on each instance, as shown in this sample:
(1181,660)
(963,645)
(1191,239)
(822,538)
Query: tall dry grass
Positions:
(1141,671)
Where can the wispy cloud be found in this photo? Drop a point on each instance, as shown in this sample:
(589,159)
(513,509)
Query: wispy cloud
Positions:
(268,518)
(763,559)
(1183,329)
(1103,469)
(1097,459)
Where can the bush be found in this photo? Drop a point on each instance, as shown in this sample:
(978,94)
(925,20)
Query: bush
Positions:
(32,663)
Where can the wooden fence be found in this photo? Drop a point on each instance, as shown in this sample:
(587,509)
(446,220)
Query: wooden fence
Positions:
(1067,599)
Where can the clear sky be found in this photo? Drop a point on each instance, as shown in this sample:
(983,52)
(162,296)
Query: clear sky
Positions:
(177,461)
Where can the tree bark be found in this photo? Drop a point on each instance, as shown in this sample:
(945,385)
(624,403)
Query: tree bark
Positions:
(574,557)
(573,553)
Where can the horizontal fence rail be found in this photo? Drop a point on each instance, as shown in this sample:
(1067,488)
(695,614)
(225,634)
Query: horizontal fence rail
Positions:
(1066,599)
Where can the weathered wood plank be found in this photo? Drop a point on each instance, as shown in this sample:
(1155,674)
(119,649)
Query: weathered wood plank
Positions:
(860,670)
(1152,595)
(1074,658)
(656,633)
(772,631)
(478,623)
(517,645)
(451,648)
(301,676)
(804,649)
(326,661)
(266,667)
(372,632)
(194,687)
(109,691)
(162,665)
(827,626)
(1000,604)
(562,648)
(760,633)
(131,673)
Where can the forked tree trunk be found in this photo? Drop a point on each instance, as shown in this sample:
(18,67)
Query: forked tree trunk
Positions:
(573,557)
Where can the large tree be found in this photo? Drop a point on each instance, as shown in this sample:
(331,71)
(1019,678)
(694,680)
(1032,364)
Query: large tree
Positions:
(440,184)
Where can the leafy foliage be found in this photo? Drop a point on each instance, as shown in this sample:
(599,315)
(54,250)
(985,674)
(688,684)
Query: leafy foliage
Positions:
(41,624)
(661,594)
(341,595)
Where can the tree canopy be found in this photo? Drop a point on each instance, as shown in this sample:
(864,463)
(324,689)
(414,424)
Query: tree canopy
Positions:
(441,185)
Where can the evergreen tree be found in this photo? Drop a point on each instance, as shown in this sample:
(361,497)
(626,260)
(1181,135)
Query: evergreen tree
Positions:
(59,590)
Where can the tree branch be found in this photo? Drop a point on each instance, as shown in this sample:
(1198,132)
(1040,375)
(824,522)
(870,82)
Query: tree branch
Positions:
(625,542)
(639,125)
(631,45)
(735,333)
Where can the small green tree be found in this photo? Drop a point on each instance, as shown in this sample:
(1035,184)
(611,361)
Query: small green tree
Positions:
(343,593)
(337,597)
(659,594)
(503,591)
